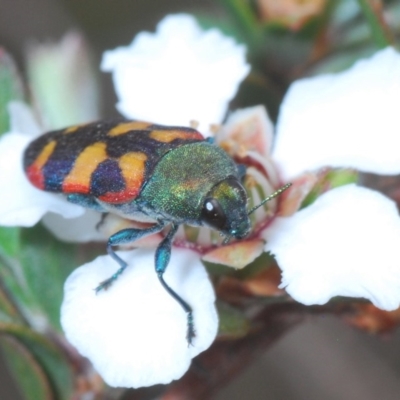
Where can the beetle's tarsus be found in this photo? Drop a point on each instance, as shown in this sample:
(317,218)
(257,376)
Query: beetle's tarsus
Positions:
(191,334)
(104,285)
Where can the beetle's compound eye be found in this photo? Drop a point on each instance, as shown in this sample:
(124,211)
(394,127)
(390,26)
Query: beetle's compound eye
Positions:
(213,215)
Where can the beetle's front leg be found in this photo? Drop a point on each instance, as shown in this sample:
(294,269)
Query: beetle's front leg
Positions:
(163,255)
(125,236)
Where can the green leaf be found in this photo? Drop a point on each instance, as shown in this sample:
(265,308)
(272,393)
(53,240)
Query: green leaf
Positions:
(373,11)
(31,282)
(9,248)
(28,374)
(56,371)
(245,18)
(16,297)
(46,263)
(35,277)
(9,313)
(9,241)
(11,88)
(208,21)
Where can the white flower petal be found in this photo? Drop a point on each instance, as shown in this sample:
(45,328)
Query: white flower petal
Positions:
(134,333)
(21,204)
(348,119)
(344,244)
(178,74)
(75,230)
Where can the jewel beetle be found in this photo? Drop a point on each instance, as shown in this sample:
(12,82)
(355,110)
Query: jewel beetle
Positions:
(165,174)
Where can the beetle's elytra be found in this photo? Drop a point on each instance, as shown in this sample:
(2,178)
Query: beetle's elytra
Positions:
(170,175)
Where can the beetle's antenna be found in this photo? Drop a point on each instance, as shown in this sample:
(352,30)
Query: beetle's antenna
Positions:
(277,193)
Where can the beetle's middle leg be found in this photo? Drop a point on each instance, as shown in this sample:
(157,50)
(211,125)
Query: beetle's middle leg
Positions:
(163,255)
(125,236)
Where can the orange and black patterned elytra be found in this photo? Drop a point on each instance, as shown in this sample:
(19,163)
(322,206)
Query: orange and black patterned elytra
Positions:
(110,160)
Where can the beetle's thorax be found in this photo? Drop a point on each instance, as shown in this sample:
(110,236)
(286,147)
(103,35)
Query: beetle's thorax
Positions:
(182,180)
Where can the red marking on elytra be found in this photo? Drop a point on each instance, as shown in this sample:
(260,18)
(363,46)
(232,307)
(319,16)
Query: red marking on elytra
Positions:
(35,176)
(119,197)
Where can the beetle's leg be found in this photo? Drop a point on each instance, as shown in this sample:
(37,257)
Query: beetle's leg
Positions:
(85,201)
(163,254)
(125,236)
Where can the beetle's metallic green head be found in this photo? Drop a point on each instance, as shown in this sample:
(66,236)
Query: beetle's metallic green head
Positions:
(224,209)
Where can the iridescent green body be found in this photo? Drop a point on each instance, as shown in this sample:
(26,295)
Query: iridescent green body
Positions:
(184,178)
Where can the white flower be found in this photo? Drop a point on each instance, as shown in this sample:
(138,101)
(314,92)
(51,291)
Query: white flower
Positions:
(348,119)
(22,204)
(345,243)
(178,74)
(134,333)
